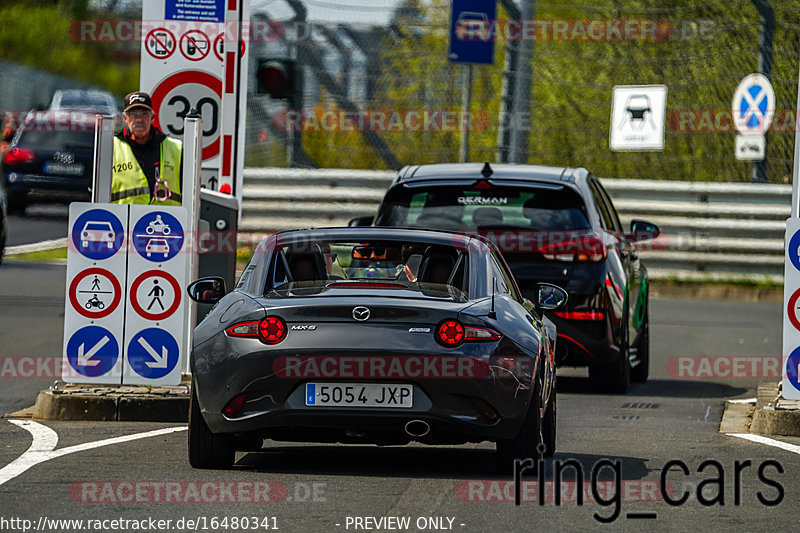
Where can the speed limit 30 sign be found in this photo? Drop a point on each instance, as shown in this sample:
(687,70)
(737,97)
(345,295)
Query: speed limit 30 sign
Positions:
(181,73)
(181,92)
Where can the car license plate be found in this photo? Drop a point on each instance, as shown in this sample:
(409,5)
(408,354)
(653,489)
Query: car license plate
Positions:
(54,167)
(359,395)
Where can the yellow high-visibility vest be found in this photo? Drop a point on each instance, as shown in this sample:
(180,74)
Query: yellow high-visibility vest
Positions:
(128,182)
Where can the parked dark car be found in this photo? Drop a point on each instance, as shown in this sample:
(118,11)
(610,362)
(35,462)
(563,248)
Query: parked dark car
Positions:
(552,224)
(373,335)
(50,159)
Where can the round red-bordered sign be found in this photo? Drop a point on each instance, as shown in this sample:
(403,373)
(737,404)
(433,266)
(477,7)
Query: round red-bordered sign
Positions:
(219,49)
(195,45)
(176,289)
(183,78)
(88,313)
(791,309)
(157,45)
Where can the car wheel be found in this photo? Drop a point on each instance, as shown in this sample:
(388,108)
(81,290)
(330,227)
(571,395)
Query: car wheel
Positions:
(524,444)
(640,372)
(207,449)
(614,377)
(549,426)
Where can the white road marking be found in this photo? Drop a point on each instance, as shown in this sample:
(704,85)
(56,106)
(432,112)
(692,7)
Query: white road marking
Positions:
(768,441)
(45,440)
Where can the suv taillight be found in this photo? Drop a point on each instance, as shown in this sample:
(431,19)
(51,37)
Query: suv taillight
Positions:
(584,249)
(17,156)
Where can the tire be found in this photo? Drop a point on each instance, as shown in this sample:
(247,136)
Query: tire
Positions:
(207,449)
(549,426)
(613,377)
(525,444)
(640,372)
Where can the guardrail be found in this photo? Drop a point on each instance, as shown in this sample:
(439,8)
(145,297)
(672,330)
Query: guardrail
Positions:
(720,231)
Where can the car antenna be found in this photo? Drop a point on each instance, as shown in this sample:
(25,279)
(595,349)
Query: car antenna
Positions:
(492,313)
(487,170)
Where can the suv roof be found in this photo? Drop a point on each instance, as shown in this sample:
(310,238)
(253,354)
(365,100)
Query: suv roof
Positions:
(500,171)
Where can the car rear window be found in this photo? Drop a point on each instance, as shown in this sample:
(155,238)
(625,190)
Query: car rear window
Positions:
(80,100)
(374,263)
(57,140)
(462,208)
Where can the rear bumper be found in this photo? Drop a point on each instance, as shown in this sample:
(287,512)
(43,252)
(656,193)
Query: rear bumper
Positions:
(47,187)
(275,406)
(584,342)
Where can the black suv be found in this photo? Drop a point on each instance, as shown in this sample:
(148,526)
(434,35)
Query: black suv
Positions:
(552,224)
(50,158)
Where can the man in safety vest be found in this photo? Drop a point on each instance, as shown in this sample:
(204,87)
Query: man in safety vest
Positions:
(147,164)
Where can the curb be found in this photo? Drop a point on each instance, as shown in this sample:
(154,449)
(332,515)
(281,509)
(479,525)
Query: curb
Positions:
(112,404)
(768,414)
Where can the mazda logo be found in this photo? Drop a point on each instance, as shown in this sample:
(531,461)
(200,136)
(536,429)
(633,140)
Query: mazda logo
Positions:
(361,313)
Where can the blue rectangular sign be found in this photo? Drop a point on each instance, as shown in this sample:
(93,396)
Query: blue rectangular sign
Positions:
(195,10)
(472,31)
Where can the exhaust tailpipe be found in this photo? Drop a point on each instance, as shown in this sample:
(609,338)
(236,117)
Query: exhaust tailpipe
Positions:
(417,428)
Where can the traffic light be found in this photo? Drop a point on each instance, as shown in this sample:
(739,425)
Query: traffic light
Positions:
(275,77)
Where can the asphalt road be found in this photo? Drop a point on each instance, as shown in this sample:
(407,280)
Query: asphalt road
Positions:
(41,222)
(339,488)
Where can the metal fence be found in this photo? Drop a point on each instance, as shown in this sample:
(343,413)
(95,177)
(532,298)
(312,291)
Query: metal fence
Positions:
(699,49)
(711,231)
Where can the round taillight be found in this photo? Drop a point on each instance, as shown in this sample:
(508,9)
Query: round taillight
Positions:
(271,330)
(450,333)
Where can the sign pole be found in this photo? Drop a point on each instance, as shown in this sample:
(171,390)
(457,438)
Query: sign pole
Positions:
(796,166)
(463,152)
(103,155)
(193,169)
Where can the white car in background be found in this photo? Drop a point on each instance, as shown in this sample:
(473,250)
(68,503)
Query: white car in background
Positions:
(103,102)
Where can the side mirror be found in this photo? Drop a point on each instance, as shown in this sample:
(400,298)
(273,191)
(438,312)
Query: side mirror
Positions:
(642,231)
(549,297)
(359,222)
(208,290)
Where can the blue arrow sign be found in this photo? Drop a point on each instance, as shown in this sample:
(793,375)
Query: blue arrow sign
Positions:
(793,367)
(97,234)
(92,351)
(472,31)
(158,236)
(153,353)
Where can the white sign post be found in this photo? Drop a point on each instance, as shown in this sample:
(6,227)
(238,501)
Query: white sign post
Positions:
(94,311)
(791,281)
(638,114)
(154,322)
(184,66)
(753,110)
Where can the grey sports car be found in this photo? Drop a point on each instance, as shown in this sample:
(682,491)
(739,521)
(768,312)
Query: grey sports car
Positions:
(373,335)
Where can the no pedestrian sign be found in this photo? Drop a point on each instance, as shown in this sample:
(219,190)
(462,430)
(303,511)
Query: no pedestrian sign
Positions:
(154,322)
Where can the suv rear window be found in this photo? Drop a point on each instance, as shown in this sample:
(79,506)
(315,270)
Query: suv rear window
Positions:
(469,209)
